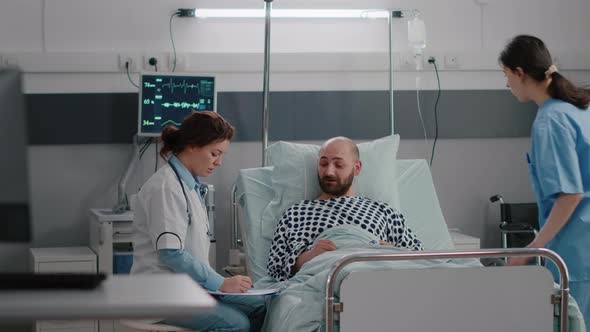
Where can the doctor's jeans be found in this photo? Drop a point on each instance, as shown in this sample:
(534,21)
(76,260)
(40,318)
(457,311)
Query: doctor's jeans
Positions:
(233,313)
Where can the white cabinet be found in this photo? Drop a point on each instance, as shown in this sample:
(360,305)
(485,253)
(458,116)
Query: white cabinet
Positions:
(464,241)
(107,230)
(64,259)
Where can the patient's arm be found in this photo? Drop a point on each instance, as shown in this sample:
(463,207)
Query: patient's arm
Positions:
(284,249)
(399,234)
(320,247)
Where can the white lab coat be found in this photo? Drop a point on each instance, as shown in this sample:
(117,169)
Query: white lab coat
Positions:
(161,212)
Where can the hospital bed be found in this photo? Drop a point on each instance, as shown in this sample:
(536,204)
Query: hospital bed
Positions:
(447,296)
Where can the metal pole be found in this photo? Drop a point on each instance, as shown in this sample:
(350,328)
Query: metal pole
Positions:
(382,256)
(390,25)
(234,218)
(265,88)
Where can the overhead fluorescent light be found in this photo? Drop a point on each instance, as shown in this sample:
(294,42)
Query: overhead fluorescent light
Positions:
(292,13)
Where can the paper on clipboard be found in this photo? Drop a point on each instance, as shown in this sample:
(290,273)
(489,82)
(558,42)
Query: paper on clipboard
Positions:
(250,292)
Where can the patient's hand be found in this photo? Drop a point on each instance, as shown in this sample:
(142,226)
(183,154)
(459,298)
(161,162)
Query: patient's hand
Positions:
(236,284)
(320,247)
(385,243)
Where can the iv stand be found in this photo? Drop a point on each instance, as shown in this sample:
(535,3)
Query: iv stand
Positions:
(391,107)
(265,88)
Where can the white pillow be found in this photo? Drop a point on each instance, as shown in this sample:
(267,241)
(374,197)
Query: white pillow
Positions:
(294,177)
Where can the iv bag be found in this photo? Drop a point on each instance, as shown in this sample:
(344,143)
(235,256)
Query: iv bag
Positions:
(417,33)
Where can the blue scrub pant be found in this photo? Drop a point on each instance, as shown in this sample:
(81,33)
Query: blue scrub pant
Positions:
(232,314)
(580,290)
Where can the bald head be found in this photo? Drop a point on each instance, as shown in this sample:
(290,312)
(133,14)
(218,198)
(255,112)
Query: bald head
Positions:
(338,165)
(343,146)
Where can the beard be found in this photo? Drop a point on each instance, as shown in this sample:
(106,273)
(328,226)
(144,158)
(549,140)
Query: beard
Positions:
(338,187)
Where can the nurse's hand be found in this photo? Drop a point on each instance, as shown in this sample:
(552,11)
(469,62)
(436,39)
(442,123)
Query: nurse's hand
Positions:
(524,260)
(513,261)
(236,284)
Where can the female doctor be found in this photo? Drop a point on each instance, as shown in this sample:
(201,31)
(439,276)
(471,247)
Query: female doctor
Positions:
(171,229)
(559,160)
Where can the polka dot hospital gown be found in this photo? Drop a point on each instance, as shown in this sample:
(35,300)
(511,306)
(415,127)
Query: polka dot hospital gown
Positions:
(303,222)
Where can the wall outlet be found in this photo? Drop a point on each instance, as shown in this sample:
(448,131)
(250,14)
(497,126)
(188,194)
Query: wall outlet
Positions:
(180,62)
(160,63)
(452,61)
(438,58)
(132,59)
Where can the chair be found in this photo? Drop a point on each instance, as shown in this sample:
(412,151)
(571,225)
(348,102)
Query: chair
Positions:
(519,222)
(153,327)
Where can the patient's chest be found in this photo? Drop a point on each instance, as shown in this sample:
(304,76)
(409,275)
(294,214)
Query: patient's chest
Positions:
(310,218)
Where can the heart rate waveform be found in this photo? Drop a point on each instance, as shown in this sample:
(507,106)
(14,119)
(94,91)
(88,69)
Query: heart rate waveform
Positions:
(182,105)
(170,122)
(173,85)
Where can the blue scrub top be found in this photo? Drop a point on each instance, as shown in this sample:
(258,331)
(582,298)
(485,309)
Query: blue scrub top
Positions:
(559,162)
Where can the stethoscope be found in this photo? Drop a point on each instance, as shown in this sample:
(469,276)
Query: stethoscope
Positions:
(202,192)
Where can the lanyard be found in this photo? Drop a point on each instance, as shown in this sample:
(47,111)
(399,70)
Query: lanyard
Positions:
(188,212)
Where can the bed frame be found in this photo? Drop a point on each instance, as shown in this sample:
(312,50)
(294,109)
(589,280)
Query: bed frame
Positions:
(499,298)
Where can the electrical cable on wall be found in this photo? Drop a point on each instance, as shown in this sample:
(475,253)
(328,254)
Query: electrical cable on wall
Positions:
(420,112)
(128,75)
(145,146)
(172,41)
(433,61)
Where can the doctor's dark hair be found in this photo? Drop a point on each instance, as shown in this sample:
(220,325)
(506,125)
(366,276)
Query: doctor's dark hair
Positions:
(530,54)
(198,129)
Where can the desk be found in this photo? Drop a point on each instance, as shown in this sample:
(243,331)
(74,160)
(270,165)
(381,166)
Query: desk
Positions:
(137,296)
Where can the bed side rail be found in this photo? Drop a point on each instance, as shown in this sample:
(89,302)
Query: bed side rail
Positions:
(561,299)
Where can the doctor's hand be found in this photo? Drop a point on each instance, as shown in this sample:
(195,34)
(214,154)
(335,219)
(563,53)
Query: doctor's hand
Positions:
(236,284)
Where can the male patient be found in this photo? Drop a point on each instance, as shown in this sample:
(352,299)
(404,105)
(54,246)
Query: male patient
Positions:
(292,244)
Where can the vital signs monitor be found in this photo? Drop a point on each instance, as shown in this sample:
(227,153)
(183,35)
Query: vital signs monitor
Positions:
(166,99)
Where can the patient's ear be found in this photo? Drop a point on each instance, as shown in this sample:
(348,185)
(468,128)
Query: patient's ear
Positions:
(357,167)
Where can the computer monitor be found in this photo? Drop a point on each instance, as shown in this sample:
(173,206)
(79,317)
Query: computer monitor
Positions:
(166,99)
(14,177)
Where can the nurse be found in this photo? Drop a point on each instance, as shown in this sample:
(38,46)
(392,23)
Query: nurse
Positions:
(559,160)
(171,229)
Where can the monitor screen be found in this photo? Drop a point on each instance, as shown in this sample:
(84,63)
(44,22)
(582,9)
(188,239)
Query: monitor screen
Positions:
(14,177)
(166,99)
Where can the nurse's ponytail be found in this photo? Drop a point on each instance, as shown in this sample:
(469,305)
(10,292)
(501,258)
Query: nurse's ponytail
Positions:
(198,129)
(530,54)
(562,88)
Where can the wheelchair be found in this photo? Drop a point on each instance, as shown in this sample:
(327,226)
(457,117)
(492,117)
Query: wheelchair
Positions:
(519,223)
